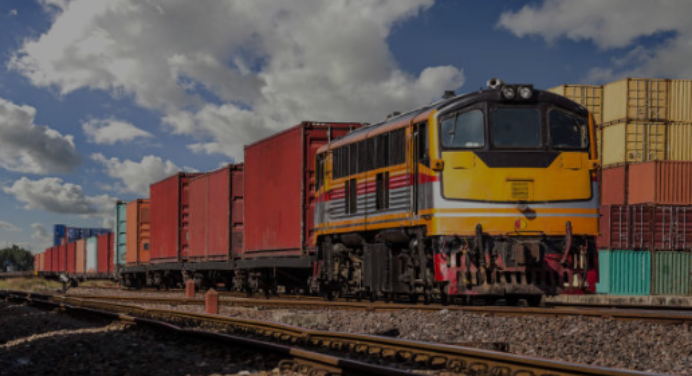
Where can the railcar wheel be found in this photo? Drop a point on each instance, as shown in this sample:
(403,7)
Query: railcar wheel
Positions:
(512,301)
(444,299)
(413,298)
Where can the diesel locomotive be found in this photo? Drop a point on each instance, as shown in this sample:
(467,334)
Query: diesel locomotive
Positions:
(491,194)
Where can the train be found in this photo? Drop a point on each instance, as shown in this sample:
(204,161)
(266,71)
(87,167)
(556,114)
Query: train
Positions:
(484,196)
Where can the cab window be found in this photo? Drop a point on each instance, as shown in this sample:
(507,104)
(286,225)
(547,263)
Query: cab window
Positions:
(516,128)
(465,130)
(567,131)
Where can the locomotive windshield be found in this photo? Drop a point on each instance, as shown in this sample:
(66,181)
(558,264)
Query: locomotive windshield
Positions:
(567,131)
(466,130)
(516,128)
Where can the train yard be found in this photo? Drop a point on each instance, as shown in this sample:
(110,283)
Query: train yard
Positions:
(358,347)
(640,340)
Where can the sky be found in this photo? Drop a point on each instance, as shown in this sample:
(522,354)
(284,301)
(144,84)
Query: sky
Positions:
(100,98)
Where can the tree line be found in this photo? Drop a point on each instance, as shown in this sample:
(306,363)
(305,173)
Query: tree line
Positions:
(20,258)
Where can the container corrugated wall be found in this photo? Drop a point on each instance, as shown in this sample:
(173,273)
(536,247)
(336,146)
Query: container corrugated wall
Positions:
(630,272)
(635,141)
(91,255)
(613,185)
(661,183)
(120,233)
(636,99)
(671,273)
(80,258)
(70,262)
(604,261)
(105,253)
(138,232)
(680,100)
(680,141)
(589,96)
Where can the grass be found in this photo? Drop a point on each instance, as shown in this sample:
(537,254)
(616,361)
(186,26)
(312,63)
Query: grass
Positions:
(29,284)
(98,283)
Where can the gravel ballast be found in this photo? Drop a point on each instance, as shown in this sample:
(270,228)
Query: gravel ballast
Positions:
(635,345)
(40,342)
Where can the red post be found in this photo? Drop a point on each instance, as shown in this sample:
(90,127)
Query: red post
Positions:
(190,288)
(211,303)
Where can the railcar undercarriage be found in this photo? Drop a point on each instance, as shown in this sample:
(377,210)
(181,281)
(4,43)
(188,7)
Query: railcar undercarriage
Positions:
(406,262)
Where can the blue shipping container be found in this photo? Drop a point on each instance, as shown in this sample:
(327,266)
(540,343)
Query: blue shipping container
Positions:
(59,233)
(120,233)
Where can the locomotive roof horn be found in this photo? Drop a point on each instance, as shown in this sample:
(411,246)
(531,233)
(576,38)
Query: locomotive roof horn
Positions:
(494,83)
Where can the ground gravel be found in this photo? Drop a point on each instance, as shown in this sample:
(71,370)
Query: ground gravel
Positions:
(603,342)
(37,342)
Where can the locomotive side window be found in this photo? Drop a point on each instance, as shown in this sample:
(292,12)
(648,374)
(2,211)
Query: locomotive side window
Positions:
(567,131)
(516,128)
(466,130)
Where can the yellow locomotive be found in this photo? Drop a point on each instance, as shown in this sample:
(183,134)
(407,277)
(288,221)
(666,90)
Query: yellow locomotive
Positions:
(490,194)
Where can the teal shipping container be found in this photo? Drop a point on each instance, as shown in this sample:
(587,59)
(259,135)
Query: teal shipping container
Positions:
(624,272)
(671,273)
(120,233)
(92,255)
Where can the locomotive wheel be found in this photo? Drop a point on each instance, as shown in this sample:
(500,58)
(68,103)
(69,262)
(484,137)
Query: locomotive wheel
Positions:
(444,299)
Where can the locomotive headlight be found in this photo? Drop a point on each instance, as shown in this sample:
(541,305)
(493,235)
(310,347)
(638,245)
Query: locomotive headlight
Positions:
(508,92)
(525,92)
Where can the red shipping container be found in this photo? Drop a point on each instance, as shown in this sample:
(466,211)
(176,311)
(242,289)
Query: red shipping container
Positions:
(55,256)
(279,185)
(62,258)
(80,256)
(614,186)
(104,246)
(169,200)
(213,198)
(71,259)
(47,259)
(660,183)
(672,228)
(615,227)
(237,208)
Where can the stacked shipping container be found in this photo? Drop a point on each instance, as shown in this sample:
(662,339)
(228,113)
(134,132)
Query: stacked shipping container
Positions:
(645,149)
(137,233)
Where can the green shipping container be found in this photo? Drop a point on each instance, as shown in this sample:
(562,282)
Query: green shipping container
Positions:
(624,272)
(671,271)
(120,233)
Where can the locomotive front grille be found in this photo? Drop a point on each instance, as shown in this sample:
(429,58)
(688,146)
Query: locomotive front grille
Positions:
(520,190)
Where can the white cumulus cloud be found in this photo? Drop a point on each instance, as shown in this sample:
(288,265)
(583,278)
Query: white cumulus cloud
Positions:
(135,176)
(30,148)
(42,236)
(615,24)
(267,64)
(7,226)
(56,196)
(109,131)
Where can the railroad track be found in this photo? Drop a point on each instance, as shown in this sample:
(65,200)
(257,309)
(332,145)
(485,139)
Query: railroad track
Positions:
(356,352)
(657,316)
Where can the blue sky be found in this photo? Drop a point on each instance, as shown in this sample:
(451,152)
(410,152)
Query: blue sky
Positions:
(130,93)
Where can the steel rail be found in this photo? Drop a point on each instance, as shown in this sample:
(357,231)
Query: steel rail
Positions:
(413,354)
(301,360)
(649,315)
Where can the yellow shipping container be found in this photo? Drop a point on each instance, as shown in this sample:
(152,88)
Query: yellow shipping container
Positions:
(680,100)
(636,141)
(680,142)
(589,96)
(636,99)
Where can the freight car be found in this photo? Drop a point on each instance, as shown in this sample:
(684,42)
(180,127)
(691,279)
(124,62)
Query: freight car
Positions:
(492,194)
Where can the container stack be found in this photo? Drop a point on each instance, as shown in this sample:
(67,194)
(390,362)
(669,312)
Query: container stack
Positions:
(646,187)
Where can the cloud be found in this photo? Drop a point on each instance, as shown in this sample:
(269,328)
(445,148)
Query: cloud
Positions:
(137,176)
(8,226)
(55,196)
(231,71)
(30,148)
(109,131)
(42,236)
(614,24)
(12,12)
